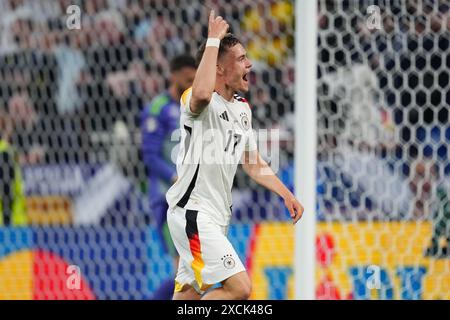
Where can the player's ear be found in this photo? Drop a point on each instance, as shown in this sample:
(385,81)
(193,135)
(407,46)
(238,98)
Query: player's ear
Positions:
(220,69)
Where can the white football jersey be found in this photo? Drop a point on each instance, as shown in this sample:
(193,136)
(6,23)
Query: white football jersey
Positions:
(211,147)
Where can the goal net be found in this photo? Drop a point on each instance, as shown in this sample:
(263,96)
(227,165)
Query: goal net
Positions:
(382,152)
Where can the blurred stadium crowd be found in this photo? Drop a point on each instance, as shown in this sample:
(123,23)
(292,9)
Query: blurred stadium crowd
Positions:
(74,96)
(68,86)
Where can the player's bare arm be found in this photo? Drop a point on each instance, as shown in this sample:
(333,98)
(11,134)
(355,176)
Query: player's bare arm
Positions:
(205,78)
(258,169)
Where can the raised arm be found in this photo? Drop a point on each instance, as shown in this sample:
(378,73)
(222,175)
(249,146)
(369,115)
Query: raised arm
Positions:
(205,78)
(260,171)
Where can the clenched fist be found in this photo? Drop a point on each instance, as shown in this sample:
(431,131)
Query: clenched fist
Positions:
(217,27)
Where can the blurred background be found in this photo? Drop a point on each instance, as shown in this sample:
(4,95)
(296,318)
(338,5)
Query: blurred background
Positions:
(77,190)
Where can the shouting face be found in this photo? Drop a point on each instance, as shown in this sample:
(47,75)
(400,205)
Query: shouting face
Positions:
(234,66)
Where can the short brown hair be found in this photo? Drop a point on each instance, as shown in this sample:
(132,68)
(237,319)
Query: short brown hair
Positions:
(230,40)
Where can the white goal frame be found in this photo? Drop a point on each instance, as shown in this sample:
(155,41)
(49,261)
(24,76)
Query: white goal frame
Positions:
(305,145)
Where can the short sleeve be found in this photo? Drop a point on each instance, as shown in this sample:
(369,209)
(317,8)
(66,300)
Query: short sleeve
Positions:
(185,103)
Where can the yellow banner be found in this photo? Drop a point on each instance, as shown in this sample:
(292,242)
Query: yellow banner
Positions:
(354,261)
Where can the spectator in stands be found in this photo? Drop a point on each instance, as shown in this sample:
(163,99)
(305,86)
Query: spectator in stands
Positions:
(431,201)
(441,224)
(71,71)
(356,140)
(12,197)
(422,182)
(159,119)
(25,136)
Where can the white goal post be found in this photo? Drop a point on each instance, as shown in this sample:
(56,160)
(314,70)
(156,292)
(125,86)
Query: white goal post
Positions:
(305,145)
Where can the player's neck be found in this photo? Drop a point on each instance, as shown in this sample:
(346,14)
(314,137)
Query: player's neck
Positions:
(225,92)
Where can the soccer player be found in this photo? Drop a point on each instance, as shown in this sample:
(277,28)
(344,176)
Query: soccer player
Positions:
(216,135)
(158,120)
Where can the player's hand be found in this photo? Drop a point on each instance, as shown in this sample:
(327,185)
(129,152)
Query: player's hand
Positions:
(217,27)
(294,207)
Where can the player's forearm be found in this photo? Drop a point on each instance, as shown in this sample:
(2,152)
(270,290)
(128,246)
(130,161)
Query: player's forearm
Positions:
(262,174)
(205,80)
(274,184)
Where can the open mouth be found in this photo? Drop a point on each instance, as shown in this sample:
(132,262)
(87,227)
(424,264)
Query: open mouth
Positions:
(245,77)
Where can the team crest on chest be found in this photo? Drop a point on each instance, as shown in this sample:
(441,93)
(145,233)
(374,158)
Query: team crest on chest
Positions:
(245,121)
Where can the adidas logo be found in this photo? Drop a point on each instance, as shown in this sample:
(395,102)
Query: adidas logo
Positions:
(224,116)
